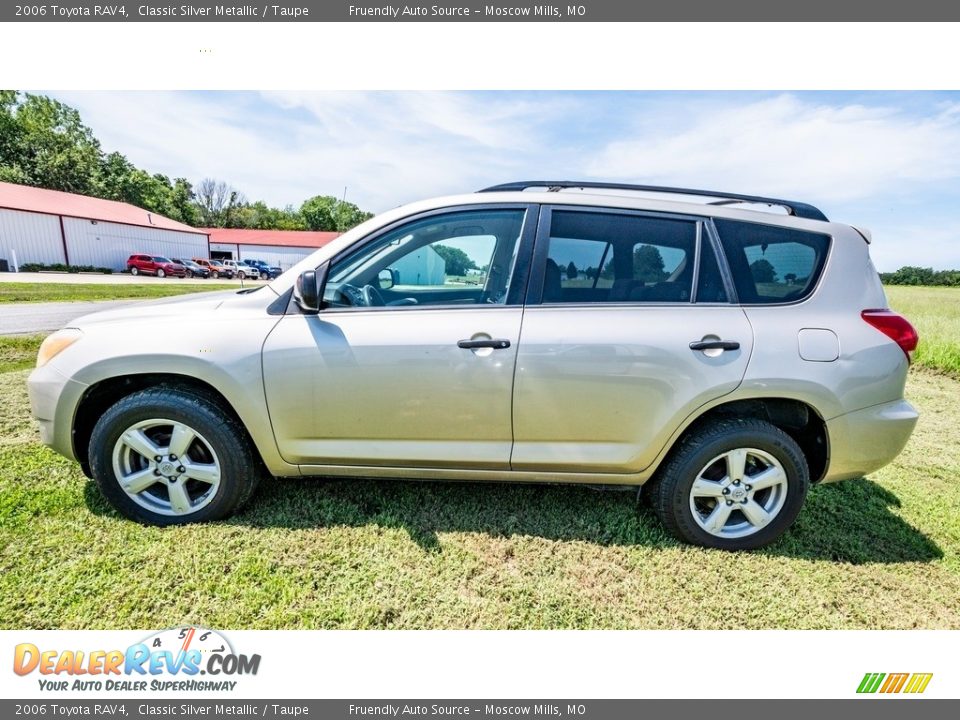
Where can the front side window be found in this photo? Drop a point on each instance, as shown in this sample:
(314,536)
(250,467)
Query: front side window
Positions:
(600,257)
(772,264)
(461,258)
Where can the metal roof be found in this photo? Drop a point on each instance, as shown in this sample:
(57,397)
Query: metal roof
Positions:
(275,238)
(54,202)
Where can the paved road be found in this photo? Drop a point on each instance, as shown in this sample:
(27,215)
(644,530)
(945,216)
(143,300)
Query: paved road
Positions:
(25,318)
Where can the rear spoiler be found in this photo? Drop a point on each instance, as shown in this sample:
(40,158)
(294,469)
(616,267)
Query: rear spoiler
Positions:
(864,233)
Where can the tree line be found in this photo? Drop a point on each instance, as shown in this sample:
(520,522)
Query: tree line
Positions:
(911,275)
(44,143)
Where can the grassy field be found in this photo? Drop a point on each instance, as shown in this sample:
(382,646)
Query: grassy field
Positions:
(18,292)
(880,552)
(935,312)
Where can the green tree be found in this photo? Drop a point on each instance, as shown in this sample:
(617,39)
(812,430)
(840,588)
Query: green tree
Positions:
(571,271)
(325,212)
(457,261)
(648,264)
(762,271)
(44,143)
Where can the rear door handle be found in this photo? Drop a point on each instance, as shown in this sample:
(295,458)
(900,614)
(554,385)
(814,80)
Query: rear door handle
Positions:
(474,344)
(714,345)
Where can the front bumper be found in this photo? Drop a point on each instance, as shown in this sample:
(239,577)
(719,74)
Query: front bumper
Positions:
(865,440)
(53,402)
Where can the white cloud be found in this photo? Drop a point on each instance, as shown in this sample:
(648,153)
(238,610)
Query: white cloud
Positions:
(891,168)
(386,148)
(786,146)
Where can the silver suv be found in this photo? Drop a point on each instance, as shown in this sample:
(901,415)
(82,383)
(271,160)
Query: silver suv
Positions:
(722,351)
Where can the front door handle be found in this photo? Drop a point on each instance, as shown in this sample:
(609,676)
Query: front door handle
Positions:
(474,344)
(714,345)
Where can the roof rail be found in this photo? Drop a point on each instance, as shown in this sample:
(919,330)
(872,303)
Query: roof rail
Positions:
(798,209)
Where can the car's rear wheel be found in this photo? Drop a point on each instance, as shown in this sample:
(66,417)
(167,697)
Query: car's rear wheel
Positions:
(735,484)
(216,275)
(167,457)
(161,273)
(134,271)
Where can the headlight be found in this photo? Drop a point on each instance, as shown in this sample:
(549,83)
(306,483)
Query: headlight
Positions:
(56,344)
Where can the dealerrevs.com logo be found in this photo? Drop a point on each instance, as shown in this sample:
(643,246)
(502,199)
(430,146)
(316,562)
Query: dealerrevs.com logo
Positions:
(173,659)
(890,683)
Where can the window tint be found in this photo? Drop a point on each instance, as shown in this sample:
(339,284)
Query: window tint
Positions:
(598,257)
(463,258)
(772,264)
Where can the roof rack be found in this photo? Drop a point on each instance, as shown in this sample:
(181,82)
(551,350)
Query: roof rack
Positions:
(798,209)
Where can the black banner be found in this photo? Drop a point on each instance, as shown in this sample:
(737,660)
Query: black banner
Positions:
(723,709)
(481,11)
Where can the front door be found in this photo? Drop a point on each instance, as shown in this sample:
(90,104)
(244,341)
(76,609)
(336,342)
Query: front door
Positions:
(410,363)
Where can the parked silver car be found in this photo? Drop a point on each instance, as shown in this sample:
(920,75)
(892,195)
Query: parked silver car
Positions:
(723,351)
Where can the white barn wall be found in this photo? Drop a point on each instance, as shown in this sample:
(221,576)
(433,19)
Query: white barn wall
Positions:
(282,257)
(35,237)
(107,244)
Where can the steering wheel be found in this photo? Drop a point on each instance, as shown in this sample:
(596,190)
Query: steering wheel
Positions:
(352,294)
(372,296)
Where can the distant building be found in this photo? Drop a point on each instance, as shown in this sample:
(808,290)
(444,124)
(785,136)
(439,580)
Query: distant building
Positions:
(282,248)
(50,227)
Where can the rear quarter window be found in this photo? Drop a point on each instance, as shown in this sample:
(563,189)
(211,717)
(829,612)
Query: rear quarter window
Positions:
(772,264)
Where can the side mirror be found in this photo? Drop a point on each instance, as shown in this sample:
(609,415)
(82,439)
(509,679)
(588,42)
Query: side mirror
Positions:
(387,278)
(306,293)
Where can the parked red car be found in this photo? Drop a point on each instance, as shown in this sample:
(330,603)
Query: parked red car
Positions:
(154,265)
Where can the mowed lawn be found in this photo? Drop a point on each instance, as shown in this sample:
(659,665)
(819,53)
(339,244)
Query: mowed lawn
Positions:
(880,552)
(23,292)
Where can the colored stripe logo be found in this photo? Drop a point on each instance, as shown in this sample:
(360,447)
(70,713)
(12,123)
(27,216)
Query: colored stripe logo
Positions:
(913,683)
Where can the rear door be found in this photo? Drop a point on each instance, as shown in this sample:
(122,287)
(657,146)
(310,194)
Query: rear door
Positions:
(606,371)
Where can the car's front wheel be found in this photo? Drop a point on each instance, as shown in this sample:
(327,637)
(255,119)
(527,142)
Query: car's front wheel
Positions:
(243,275)
(161,273)
(167,456)
(733,484)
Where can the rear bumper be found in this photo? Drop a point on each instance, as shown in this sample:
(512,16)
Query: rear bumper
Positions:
(866,440)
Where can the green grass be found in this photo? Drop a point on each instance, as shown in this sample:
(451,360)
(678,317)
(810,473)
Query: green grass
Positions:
(875,553)
(17,292)
(18,352)
(935,312)
(879,553)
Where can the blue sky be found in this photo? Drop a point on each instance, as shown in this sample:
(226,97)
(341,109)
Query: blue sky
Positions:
(889,161)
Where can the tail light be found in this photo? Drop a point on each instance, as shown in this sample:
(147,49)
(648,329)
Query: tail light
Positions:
(894,326)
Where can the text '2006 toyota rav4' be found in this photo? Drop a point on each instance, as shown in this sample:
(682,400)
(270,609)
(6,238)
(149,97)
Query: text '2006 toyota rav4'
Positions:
(724,351)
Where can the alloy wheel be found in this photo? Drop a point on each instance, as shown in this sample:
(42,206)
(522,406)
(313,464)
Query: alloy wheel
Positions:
(738,493)
(166,467)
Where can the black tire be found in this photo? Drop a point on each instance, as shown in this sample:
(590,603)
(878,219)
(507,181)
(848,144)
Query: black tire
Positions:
(669,491)
(243,276)
(134,271)
(240,466)
(216,275)
(161,273)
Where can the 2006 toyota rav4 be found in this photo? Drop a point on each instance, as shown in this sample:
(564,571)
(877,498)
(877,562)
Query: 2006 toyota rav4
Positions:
(719,352)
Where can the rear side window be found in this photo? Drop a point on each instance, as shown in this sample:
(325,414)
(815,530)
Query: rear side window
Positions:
(772,264)
(600,257)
